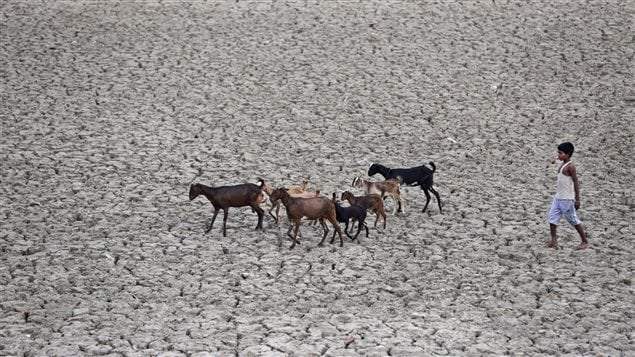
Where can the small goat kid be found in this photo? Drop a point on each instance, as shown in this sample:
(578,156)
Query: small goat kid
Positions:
(319,208)
(384,189)
(414,176)
(224,197)
(346,214)
(374,203)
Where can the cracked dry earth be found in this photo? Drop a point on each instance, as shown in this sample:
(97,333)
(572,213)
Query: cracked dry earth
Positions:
(110,110)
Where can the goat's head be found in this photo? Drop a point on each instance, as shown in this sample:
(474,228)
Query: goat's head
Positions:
(373,169)
(278,194)
(357,182)
(267,188)
(346,195)
(195,190)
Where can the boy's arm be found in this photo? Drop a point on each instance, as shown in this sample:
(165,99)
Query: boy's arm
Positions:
(574,176)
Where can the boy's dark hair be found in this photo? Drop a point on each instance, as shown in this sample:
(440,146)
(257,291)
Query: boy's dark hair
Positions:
(566,148)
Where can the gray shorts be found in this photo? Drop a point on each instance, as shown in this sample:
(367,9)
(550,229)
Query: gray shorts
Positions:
(563,208)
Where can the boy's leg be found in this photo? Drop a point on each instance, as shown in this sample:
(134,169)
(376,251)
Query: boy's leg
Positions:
(584,244)
(573,219)
(554,219)
(553,243)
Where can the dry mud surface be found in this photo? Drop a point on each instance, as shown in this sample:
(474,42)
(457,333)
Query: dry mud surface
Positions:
(110,109)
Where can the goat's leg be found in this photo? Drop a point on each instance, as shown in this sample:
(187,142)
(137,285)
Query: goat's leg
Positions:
(395,204)
(425,190)
(225,213)
(293,223)
(336,226)
(274,205)
(261,214)
(384,214)
(345,231)
(334,232)
(402,204)
(359,229)
(290,229)
(213,219)
(366,227)
(352,227)
(326,232)
(436,194)
(376,211)
(295,235)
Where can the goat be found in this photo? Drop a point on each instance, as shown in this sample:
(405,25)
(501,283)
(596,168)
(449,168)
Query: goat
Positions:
(294,191)
(384,189)
(354,212)
(319,208)
(414,176)
(374,203)
(224,197)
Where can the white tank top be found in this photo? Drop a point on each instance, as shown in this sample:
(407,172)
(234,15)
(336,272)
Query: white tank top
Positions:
(564,186)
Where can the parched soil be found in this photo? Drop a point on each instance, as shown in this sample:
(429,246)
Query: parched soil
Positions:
(111,109)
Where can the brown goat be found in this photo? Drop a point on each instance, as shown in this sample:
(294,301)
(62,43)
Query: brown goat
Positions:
(319,208)
(231,196)
(294,191)
(384,189)
(374,202)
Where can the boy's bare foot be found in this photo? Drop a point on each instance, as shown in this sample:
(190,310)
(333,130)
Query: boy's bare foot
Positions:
(552,244)
(582,246)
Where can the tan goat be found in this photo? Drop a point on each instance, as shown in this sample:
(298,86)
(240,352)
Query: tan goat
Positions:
(384,189)
(319,208)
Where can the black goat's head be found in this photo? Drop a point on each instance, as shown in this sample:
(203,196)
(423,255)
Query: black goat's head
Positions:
(195,190)
(373,169)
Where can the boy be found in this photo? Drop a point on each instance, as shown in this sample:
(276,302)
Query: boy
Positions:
(567,198)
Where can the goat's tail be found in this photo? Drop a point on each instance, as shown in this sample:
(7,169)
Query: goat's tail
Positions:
(434,168)
(262,183)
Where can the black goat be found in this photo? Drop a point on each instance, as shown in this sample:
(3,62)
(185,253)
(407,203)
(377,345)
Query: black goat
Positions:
(414,176)
(374,203)
(353,212)
(224,197)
